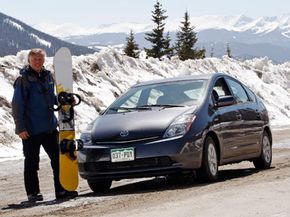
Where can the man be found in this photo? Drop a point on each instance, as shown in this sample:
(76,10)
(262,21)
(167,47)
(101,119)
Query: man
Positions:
(32,108)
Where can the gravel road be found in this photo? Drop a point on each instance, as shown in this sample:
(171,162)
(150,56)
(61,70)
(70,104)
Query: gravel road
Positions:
(240,191)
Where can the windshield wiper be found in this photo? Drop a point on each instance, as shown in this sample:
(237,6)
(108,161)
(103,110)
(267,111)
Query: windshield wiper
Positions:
(129,108)
(161,105)
(145,107)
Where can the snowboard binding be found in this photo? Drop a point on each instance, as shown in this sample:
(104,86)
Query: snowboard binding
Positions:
(70,146)
(68,99)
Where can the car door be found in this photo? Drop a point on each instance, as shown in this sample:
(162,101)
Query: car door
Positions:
(251,125)
(227,122)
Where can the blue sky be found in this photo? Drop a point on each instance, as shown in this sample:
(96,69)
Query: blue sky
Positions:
(90,13)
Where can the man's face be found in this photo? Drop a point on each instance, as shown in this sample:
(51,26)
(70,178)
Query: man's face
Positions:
(36,62)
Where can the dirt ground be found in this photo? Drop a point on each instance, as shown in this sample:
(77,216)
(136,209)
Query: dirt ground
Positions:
(240,191)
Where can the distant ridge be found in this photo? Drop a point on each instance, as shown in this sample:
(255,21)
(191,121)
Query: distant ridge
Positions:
(16,35)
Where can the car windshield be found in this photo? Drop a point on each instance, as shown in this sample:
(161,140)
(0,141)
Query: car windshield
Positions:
(162,95)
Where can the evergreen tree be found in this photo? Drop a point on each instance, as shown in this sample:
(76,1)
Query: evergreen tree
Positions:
(211,52)
(229,53)
(168,50)
(156,36)
(178,43)
(200,54)
(186,39)
(131,49)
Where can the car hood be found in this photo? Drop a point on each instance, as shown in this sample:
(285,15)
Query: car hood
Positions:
(134,126)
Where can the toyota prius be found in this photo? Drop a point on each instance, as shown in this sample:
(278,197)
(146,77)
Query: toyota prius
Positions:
(177,125)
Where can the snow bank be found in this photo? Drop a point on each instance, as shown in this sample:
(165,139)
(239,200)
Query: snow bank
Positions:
(101,77)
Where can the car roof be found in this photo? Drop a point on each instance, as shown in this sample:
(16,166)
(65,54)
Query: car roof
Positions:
(180,78)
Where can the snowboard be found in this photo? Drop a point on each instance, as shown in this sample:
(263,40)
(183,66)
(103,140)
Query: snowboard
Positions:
(68,171)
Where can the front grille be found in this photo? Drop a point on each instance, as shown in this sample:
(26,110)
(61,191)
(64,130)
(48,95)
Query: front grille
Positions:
(128,165)
(147,139)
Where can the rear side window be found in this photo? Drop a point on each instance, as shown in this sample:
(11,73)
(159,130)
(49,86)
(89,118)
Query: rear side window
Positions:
(221,88)
(250,94)
(238,91)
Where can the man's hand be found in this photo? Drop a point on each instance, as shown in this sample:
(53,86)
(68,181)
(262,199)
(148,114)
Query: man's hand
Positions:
(23,135)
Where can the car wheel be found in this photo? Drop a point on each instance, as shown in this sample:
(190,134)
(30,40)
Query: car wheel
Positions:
(99,185)
(265,159)
(209,169)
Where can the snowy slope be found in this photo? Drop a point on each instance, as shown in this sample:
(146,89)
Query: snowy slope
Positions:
(16,35)
(101,77)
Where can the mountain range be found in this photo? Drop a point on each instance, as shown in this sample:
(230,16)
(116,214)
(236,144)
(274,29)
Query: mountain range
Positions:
(247,37)
(16,35)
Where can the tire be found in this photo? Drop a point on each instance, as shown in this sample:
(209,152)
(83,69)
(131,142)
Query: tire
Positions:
(265,159)
(209,168)
(99,185)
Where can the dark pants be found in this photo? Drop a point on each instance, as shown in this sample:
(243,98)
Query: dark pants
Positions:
(31,149)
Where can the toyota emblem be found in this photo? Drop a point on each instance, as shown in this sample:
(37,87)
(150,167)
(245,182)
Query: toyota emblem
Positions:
(124,133)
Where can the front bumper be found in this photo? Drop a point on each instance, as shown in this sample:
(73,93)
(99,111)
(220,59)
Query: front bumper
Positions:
(155,158)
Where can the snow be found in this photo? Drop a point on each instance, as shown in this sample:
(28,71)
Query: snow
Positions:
(16,25)
(11,153)
(103,76)
(68,29)
(239,23)
(41,41)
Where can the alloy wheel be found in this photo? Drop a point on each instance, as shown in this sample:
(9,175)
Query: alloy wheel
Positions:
(267,152)
(212,159)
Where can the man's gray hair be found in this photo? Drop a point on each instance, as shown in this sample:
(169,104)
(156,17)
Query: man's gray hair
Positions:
(35,51)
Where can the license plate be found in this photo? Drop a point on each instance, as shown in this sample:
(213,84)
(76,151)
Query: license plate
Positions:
(122,154)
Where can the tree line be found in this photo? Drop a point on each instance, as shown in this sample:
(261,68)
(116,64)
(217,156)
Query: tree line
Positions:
(160,42)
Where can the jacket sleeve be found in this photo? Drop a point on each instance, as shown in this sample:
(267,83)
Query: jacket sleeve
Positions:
(55,100)
(19,104)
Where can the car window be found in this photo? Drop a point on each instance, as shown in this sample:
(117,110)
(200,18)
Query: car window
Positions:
(153,96)
(250,94)
(220,89)
(238,91)
(194,94)
(132,100)
(181,93)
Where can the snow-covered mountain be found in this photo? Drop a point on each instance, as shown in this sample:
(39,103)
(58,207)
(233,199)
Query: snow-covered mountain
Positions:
(101,77)
(248,37)
(239,23)
(16,36)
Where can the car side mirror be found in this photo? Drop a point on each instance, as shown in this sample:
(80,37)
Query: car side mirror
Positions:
(226,101)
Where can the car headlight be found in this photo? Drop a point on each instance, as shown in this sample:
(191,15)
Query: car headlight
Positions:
(179,126)
(86,135)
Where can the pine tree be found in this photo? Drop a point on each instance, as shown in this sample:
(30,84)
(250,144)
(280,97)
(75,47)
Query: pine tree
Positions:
(211,52)
(200,54)
(229,53)
(131,49)
(168,50)
(186,39)
(156,36)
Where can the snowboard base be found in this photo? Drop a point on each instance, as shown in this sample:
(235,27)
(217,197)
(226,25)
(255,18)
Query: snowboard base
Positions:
(68,165)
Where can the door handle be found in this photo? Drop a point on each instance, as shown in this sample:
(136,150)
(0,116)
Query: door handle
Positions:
(258,114)
(239,117)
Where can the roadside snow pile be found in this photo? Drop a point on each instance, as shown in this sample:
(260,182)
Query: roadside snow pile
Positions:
(101,77)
